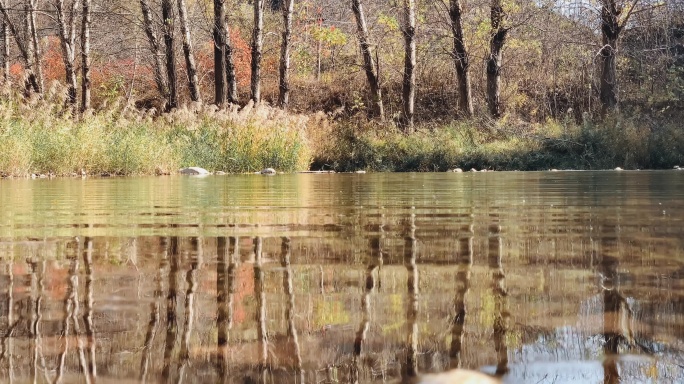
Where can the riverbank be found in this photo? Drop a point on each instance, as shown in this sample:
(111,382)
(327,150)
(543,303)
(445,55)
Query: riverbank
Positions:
(40,137)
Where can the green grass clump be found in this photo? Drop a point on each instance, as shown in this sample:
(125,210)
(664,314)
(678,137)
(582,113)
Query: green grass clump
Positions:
(504,145)
(40,136)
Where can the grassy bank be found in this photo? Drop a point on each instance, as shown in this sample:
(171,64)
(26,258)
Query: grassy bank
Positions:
(40,136)
(506,145)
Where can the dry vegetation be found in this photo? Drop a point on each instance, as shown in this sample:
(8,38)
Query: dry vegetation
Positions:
(550,94)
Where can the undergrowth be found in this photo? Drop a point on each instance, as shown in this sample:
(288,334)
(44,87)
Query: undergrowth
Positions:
(40,136)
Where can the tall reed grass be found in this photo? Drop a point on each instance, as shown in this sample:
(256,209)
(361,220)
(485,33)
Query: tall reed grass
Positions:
(40,135)
(616,140)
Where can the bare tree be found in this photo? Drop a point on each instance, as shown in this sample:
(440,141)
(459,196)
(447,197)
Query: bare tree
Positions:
(368,64)
(612,23)
(34,46)
(5,50)
(148,25)
(190,67)
(67,39)
(461,58)
(257,47)
(170,54)
(220,44)
(408,94)
(25,49)
(496,42)
(85,56)
(284,94)
(231,79)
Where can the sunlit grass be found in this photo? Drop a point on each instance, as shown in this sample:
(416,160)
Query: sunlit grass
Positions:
(40,136)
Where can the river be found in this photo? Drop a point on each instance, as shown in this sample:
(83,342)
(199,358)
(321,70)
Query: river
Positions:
(533,277)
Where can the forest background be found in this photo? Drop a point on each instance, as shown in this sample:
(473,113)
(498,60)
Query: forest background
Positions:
(147,86)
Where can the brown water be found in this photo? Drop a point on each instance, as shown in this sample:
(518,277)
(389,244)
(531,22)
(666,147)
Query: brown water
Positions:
(534,277)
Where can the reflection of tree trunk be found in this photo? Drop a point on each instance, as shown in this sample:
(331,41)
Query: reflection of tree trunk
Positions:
(289,311)
(260,294)
(465,262)
(7,339)
(88,315)
(225,285)
(154,310)
(611,319)
(74,316)
(171,316)
(410,251)
(374,264)
(69,302)
(37,284)
(501,314)
(191,280)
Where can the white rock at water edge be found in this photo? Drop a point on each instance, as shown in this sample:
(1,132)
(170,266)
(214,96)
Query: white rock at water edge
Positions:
(194,171)
(618,169)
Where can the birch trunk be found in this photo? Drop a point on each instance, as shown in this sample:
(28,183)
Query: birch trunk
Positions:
(159,74)
(409,81)
(368,64)
(67,40)
(257,46)
(85,57)
(191,68)
(170,54)
(496,43)
(461,59)
(284,95)
(231,79)
(35,47)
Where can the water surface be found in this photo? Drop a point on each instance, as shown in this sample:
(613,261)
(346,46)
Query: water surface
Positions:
(532,277)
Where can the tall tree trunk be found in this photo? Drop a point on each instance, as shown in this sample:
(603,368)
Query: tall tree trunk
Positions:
(219,52)
(368,64)
(5,50)
(170,54)
(284,95)
(231,79)
(461,59)
(35,47)
(67,40)
(148,25)
(610,28)
(257,46)
(191,68)
(496,43)
(409,81)
(85,57)
(24,48)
